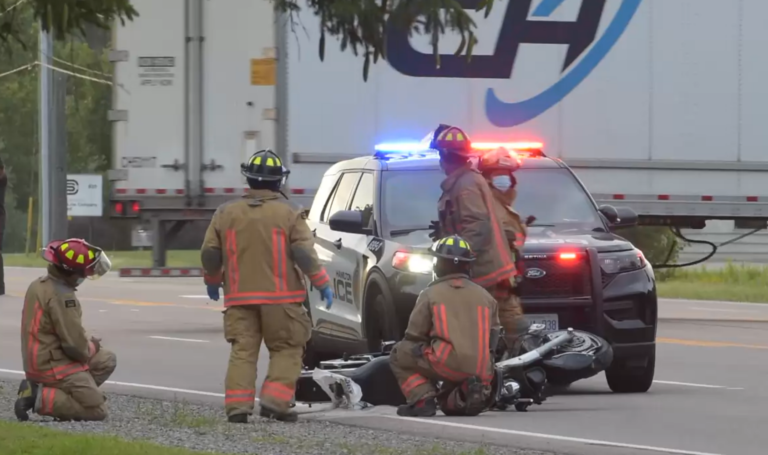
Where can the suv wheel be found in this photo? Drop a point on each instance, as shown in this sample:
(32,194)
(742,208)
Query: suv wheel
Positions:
(622,379)
(381,323)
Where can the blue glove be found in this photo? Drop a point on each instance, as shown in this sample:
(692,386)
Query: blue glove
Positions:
(327,295)
(213,291)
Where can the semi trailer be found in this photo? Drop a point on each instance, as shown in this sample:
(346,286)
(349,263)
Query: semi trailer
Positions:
(657,105)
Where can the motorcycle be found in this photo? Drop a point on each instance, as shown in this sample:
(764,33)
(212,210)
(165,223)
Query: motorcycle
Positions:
(554,358)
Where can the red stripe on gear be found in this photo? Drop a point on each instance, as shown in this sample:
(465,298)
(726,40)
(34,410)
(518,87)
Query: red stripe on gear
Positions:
(497,234)
(283,259)
(480,331)
(444,318)
(276,261)
(412,382)
(436,321)
(320,278)
(33,343)
(277,390)
(51,400)
(232,268)
(238,396)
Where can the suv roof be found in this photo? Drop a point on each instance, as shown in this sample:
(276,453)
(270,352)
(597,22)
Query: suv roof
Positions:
(426,160)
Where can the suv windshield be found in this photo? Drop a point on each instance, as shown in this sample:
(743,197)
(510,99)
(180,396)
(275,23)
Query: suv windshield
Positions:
(553,196)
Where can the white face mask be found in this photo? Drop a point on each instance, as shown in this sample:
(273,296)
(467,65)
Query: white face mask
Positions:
(80,281)
(502,182)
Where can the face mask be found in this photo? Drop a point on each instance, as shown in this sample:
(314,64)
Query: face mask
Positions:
(501,182)
(79,281)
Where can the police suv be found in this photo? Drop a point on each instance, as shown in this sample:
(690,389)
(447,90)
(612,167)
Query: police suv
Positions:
(370,219)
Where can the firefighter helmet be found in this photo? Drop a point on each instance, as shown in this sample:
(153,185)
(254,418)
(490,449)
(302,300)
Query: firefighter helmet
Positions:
(78,256)
(265,166)
(450,139)
(499,159)
(453,248)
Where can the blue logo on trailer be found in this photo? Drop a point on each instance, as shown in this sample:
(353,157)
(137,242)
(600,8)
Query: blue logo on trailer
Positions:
(516,29)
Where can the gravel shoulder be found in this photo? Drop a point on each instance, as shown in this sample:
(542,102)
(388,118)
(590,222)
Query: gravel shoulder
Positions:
(204,428)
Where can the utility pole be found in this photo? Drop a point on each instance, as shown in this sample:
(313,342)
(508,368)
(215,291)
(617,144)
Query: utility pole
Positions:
(46,57)
(53,149)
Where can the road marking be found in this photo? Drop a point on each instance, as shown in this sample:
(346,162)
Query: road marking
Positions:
(721,309)
(135,310)
(179,339)
(711,302)
(103,311)
(195,296)
(709,344)
(172,389)
(548,436)
(690,384)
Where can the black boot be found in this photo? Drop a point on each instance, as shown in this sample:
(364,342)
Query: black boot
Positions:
(25,400)
(270,413)
(238,418)
(475,396)
(422,408)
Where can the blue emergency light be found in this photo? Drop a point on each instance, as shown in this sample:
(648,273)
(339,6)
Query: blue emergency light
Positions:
(402,147)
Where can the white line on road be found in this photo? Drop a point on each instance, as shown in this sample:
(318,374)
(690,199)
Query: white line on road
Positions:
(179,339)
(706,386)
(165,389)
(721,309)
(547,436)
(195,296)
(144,386)
(711,302)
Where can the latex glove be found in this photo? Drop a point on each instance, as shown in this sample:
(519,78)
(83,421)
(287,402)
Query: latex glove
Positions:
(213,291)
(94,346)
(435,227)
(327,295)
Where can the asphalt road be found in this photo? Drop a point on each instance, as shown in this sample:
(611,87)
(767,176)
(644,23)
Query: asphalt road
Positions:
(710,396)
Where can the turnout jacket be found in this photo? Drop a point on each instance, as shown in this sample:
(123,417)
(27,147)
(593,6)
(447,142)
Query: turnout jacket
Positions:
(466,209)
(453,318)
(54,343)
(257,247)
(515,230)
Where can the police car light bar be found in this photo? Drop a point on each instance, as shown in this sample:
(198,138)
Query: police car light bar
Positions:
(521,146)
(413,147)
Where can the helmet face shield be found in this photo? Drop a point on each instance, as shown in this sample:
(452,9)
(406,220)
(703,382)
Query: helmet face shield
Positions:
(100,267)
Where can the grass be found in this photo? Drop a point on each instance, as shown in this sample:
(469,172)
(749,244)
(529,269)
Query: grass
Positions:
(31,439)
(176,258)
(737,283)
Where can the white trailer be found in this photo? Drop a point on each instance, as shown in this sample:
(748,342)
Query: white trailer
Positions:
(658,105)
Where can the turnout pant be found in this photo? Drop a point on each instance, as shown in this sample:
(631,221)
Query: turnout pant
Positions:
(417,379)
(510,311)
(77,397)
(285,329)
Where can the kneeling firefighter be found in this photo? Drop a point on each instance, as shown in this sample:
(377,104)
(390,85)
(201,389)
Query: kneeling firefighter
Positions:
(64,367)
(255,247)
(450,337)
(498,167)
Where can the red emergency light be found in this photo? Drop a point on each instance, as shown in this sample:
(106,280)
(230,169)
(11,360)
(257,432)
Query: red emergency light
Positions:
(518,146)
(568,256)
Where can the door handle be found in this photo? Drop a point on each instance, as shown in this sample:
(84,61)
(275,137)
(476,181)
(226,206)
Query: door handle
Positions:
(337,244)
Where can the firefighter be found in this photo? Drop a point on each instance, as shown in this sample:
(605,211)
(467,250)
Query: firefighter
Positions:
(466,208)
(64,367)
(450,338)
(498,167)
(254,248)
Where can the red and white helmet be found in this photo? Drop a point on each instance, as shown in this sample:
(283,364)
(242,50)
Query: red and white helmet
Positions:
(500,158)
(450,139)
(78,256)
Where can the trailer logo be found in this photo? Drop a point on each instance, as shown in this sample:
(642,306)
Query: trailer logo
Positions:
(580,36)
(72,187)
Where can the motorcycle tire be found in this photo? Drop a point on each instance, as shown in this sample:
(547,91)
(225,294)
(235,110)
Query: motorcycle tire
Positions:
(583,357)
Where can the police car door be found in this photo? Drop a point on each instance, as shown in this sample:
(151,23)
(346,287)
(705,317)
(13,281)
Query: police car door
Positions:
(334,249)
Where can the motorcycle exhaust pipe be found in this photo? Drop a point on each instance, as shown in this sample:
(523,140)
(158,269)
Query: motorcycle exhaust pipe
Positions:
(534,356)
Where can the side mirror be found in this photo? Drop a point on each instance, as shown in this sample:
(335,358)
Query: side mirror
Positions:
(627,217)
(609,212)
(350,221)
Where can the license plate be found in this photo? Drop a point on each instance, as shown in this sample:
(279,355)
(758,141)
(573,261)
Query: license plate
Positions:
(551,321)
